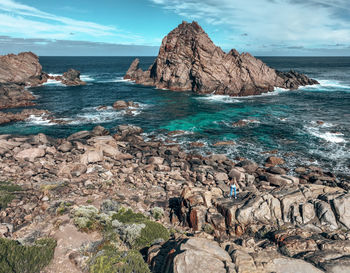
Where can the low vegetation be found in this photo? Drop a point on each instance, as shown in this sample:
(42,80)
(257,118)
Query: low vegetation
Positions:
(15,258)
(112,260)
(122,229)
(7,193)
(150,231)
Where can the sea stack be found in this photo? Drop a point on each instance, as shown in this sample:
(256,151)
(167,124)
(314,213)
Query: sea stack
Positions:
(189,60)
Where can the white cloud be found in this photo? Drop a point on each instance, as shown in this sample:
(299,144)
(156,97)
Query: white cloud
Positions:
(25,21)
(293,22)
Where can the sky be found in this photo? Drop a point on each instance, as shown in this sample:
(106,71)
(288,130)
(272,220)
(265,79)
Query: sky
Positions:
(136,27)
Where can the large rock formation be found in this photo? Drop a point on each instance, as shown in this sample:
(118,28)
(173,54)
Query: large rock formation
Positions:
(24,70)
(16,72)
(189,60)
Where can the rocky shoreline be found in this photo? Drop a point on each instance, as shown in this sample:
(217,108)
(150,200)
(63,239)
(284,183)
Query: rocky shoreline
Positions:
(279,223)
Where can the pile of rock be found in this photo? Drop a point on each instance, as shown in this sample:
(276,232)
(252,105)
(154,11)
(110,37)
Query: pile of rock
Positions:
(278,219)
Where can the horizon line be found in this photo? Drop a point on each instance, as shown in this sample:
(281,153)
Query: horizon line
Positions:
(127,56)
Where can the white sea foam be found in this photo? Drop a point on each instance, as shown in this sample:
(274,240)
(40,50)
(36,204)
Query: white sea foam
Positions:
(118,79)
(93,117)
(96,115)
(218,98)
(332,137)
(277,91)
(332,83)
(53,83)
(336,137)
(231,124)
(39,120)
(326,84)
(86,78)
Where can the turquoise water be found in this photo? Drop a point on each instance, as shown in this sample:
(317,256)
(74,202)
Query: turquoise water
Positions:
(283,120)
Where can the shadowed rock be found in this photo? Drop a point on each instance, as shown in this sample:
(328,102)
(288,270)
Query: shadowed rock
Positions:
(189,60)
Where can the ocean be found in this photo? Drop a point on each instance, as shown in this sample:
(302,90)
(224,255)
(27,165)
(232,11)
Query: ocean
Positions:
(308,126)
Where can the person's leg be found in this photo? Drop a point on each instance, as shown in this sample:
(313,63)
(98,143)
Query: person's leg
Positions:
(231,191)
(235,190)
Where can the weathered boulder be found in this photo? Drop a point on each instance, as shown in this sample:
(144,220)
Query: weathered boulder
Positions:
(325,214)
(200,255)
(248,165)
(342,209)
(129,130)
(338,265)
(285,265)
(274,160)
(189,60)
(244,263)
(120,104)
(65,147)
(91,156)
(31,154)
(156,160)
(221,176)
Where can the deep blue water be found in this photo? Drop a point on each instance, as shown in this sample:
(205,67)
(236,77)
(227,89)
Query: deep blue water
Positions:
(283,121)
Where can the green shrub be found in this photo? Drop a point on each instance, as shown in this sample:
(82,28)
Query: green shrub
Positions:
(85,217)
(129,217)
(150,231)
(63,208)
(112,261)
(15,258)
(7,193)
(128,233)
(157,213)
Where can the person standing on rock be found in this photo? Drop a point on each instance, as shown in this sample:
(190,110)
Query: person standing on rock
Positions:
(233,188)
